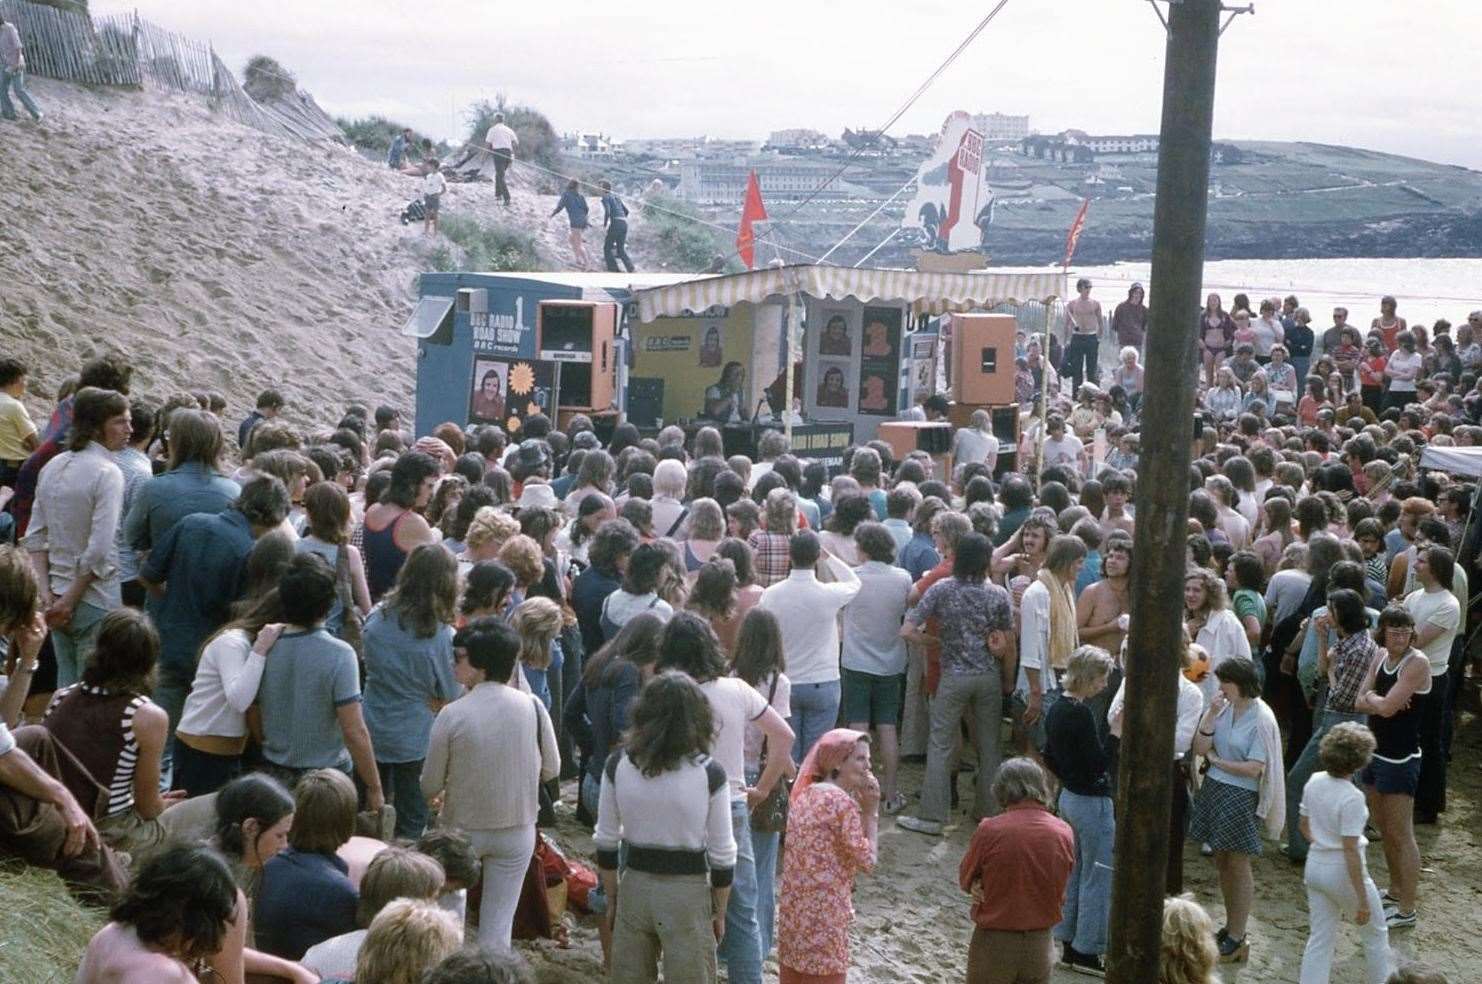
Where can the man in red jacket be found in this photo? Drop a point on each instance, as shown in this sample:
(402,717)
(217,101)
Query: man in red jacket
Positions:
(1016,870)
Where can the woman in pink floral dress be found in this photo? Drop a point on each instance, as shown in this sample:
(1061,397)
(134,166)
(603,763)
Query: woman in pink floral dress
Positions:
(832,835)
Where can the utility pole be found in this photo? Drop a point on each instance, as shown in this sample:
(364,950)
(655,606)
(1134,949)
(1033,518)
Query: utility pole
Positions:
(1145,781)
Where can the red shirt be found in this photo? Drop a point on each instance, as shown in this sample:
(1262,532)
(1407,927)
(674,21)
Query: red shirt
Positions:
(1023,859)
(932,650)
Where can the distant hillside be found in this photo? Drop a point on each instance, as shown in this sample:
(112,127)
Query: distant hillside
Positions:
(1281,200)
(218,257)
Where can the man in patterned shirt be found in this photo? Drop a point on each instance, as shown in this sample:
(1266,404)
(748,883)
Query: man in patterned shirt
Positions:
(976,635)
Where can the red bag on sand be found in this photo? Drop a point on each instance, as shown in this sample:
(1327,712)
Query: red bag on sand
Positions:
(561,872)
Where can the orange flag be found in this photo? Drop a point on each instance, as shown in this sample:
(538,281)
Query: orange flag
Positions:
(1076,228)
(752,210)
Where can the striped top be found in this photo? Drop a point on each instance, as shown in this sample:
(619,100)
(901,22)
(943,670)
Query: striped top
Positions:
(97,726)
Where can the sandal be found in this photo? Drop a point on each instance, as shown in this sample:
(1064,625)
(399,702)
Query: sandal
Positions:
(894,805)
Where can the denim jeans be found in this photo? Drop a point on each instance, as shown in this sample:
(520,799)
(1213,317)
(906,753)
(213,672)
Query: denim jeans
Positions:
(1083,918)
(764,847)
(16,80)
(74,644)
(1296,780)
(956,692)
(742,947)
(815,710)
(401,783)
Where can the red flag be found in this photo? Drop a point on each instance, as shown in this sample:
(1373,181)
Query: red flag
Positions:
(752,210)
(1074,236)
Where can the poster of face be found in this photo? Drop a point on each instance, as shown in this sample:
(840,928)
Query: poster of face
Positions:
(882,333)
(486,403)
(508,391)
(710,348)
(835,338)
(879,362)
(833,386)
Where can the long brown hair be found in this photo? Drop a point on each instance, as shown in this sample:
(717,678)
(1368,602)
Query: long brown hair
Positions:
(759,652)
(672,722)
(425,596)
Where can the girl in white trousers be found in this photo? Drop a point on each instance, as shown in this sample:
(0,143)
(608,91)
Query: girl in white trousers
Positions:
(1337,878)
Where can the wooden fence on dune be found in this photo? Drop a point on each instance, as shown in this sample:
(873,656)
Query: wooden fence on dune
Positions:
(124,50)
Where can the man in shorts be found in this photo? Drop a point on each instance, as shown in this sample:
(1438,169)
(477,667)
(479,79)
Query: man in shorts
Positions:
(433,186)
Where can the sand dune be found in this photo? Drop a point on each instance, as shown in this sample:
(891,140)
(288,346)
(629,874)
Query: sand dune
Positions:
(216,256)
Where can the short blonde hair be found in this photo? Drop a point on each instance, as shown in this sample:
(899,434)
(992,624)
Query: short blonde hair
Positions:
(538,621)
(523,556)
(706,521)
(407,939)
(1087,665)
(489,525)
(1346,749)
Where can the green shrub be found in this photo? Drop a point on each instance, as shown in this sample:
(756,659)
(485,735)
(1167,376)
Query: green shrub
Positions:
(373,134)
(681,242)
(265,80)
(538,139)
(485,246)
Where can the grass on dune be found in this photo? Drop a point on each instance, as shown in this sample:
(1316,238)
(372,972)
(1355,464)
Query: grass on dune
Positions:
(43,930)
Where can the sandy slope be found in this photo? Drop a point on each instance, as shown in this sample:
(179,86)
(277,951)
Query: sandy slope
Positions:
(215,256)
(912,925)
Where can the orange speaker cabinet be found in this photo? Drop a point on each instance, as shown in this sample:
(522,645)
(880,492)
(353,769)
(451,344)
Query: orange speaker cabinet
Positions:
(579,335)
(983,358)
(905,436)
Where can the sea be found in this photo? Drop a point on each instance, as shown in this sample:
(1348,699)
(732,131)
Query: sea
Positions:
(1426,289)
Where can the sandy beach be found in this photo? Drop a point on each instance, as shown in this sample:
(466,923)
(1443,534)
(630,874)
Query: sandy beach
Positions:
(912,923)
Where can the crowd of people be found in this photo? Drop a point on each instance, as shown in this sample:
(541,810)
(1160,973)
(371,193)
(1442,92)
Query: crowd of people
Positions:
(300,710)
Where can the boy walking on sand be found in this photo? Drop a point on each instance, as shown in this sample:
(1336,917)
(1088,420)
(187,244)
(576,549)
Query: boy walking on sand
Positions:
(13,73)
(433,186)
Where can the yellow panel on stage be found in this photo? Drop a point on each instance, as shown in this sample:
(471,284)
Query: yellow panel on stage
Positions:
(688,354)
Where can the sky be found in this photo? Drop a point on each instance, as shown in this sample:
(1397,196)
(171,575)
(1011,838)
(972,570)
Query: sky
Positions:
(1396,77)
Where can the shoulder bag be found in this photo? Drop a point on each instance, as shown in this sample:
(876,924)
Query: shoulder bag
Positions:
(770,815)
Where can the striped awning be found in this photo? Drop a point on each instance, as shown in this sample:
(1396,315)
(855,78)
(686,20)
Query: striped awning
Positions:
(927,293)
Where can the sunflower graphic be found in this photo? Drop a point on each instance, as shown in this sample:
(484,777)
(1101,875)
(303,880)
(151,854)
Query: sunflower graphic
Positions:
(521,378)
(512,424)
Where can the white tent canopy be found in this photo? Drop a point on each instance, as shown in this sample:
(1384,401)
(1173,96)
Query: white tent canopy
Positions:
(928,293)
(1457,461)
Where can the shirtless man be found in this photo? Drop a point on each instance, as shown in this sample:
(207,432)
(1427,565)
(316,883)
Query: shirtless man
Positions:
(1100,609)
(1083,323)
(1116,490)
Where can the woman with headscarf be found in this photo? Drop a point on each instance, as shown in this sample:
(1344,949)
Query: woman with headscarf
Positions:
(1130,319)
(832,835)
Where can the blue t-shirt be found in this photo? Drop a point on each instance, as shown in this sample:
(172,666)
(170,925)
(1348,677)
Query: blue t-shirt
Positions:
(402,673)
(307,678)
(304,899)
(877,502)
(1238,740)
(1090,572)
(540,680)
